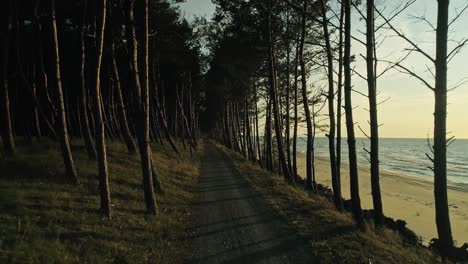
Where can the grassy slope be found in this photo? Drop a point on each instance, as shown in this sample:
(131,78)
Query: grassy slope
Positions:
(44,220)
(333,235)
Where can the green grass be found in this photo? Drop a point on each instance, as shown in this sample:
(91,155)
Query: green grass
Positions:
(45,220)
(332,235)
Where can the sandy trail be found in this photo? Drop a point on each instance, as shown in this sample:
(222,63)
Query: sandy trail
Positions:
(232,222)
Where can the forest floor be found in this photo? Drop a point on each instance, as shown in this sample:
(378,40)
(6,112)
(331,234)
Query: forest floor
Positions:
(269,202)
(44,220)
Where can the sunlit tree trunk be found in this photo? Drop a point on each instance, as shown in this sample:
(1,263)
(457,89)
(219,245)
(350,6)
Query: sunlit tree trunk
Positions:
(98,113)
(63,130)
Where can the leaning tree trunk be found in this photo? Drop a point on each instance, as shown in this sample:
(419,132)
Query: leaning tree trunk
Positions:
(99,124)
(88,139)
(444,229)
(272,79)
(7,133)
(374,125)
(43,74)
(331,112)
(63,130)
(353,169)
(125,129)
(142,105)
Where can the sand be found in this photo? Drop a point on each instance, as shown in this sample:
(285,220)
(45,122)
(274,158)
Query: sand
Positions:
(404,197)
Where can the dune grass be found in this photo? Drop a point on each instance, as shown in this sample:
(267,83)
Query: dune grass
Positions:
(45,220)
(333,235)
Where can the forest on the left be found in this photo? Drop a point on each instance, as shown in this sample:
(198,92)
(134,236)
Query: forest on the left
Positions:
(99,120)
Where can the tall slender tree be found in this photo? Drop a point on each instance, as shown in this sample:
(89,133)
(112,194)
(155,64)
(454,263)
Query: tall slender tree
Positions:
(353,169)
(374,125)
(305,99)
(444,229)
(62,122)
(84,102)
(98,113)
(331,110)
(142,101)
(273,95)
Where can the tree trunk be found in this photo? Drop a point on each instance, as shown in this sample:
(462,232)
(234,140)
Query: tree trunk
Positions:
(98,112)
(296,117)
(142,105)
(309,183)
(444,229)
(288,99)
(86,130)
(127,135)
(374,125)
(331,111)
(7,133)
(37,125)
(339,97)
(63,130)
(260,159)
(272,80)
(268,139)
(353,169)
(43,74)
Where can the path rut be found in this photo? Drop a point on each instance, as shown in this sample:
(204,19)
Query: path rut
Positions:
(233,223)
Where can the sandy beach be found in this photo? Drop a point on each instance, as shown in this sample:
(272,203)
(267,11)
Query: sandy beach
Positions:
(404,197)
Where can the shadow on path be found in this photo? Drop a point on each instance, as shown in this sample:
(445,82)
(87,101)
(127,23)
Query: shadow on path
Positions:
(233,224)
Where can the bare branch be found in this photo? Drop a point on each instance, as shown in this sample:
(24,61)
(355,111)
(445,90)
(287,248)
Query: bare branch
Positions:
(457,49)
(356,91)
(360,75)
(412,73)
(398,12)
(384,101)
(459,83)
(458,15)
(401,35)
(424,19)
(365,134)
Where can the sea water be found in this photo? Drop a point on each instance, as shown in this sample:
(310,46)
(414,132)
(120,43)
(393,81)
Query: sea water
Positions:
(404,155)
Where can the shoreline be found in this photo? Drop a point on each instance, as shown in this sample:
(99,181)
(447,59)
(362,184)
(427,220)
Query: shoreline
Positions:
(405,197)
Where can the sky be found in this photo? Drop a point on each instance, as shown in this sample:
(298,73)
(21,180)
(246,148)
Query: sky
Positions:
(198,8)
(408,112)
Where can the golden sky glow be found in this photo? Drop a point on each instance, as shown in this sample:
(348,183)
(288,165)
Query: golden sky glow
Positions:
(409,111)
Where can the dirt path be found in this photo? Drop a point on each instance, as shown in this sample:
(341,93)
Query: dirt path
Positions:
(233,224)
